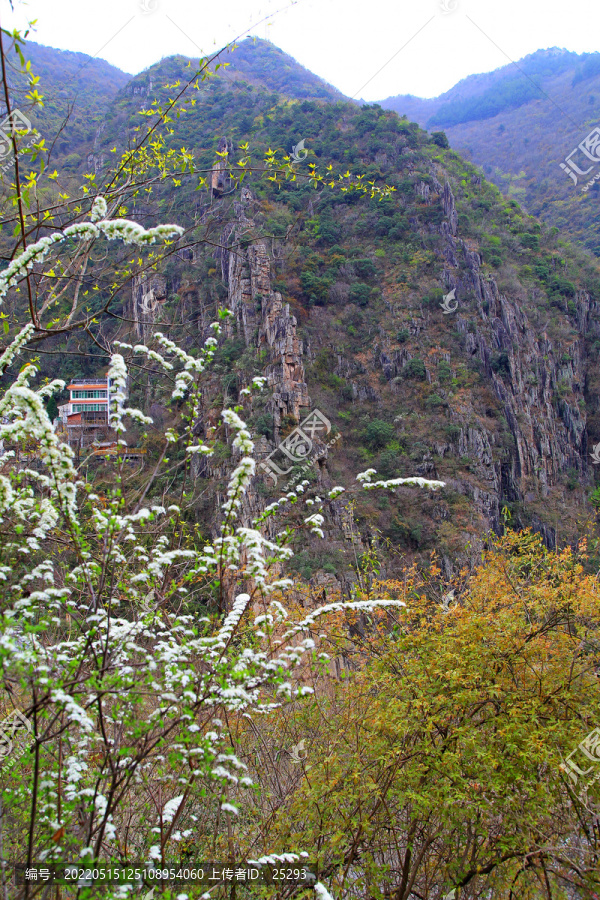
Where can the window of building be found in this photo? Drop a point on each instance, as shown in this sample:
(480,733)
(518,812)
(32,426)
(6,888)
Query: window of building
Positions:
(89,407)
(88,395)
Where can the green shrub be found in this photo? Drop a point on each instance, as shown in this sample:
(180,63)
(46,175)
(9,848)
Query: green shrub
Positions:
(230,351)
(415,369)
(72,161)
(264,425)
(530,241)
(365,268)
(388,464)
(444,371)
(501,363)
(572,479)
(329,231)
(560,285)
(439,138)
(433,298)
(434,401)
(452,432)
(402,336)
(409,534)
(377,434)
(307,563)
(360,293)
(315,287)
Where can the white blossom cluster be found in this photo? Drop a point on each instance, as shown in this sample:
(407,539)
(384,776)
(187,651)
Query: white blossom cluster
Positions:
(114,229)
(134,697)
(368,485)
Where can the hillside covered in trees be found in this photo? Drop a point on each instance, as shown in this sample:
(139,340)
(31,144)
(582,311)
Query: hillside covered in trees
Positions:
(318,600)
(498,398)
(518,124)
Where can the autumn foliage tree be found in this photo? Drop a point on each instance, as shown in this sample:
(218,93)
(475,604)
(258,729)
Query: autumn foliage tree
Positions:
(434,768)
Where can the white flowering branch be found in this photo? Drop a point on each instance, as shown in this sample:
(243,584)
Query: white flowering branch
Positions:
(113,229)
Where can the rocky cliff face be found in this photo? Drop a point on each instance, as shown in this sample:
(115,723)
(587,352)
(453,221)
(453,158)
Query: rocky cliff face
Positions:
(550,435)
(539,386)
(506,427)
(265,322)
(263,318)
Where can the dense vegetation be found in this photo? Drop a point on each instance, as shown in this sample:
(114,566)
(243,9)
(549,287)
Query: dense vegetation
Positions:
(77,91)
(353,673)
(355,268)
(518,124)
(273,69)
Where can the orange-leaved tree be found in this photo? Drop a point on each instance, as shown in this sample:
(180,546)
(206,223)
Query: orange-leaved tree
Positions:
(457,759)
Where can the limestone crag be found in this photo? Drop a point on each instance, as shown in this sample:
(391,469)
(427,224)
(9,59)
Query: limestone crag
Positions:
(549,435)
(219,179)
(285,375)
(527,371)
(263,318)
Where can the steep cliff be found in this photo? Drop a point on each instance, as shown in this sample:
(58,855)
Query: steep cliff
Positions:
(439,332)
(263,318)
(548,434)
(549,430)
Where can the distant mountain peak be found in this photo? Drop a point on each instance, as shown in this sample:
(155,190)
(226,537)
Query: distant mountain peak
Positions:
(518,123)
(260,62)
(256,62)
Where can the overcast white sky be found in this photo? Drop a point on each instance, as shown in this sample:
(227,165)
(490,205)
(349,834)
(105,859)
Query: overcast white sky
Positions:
(344,41)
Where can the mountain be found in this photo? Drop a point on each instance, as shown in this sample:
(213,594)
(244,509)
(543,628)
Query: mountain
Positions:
(261,63)
(441,332)
(518,124)
(187,687)
(251,78)
(77,90)
(484,96)
(339,300)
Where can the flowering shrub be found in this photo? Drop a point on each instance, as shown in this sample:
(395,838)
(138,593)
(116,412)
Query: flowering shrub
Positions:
(131,703)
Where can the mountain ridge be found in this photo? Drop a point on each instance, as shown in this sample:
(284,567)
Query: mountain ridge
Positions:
(519,123)
(337,299)
(341,297)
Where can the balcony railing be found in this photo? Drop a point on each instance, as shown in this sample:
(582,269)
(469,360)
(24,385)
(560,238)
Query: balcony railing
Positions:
(89,418)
